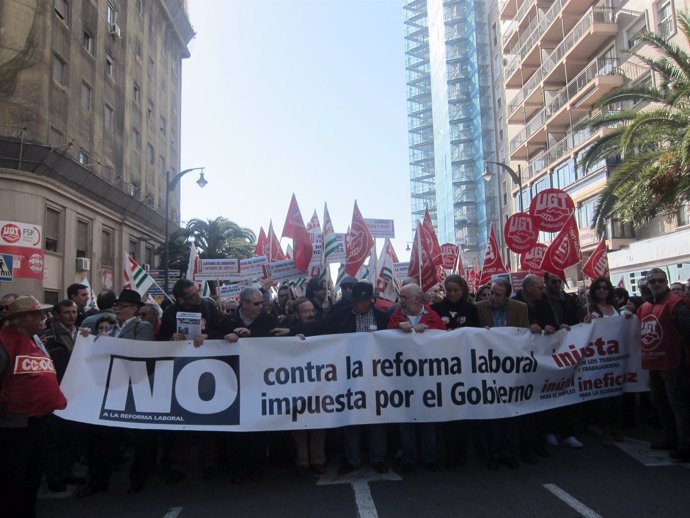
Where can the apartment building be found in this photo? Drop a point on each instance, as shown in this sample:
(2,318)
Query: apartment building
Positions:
(89,125)
(553,60)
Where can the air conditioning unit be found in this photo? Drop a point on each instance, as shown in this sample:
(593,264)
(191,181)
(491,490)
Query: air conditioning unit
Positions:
(146,267)
(83,264)
(115,31)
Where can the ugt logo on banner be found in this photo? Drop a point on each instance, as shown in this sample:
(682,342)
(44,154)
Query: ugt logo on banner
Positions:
(173,390)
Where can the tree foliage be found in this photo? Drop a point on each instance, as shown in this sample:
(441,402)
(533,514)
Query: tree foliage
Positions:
(652,145)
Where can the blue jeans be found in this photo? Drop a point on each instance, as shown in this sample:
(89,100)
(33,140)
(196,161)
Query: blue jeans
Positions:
(427,442)
(377,443)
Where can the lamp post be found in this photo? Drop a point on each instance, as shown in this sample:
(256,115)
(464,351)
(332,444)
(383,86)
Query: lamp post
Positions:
(170,185)
(516,176)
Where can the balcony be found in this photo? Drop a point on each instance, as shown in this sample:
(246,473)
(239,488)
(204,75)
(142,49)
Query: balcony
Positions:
(589,34)
(509,9)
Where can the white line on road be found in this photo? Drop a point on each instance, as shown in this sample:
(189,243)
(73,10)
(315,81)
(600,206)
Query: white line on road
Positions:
(173,512)
(365,503)
(572,501)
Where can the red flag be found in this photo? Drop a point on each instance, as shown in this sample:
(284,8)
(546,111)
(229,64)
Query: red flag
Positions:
(301,242)
(359,243)
(598,263)
(493,262)
(422,266)
(449,255)
(472,281)
(621,283)
(261,243)
(563,251)
(273,250)
(431,240)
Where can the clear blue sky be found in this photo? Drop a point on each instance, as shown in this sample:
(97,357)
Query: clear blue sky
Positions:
(296,96)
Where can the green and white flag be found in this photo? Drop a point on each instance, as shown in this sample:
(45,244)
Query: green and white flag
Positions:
(136,278)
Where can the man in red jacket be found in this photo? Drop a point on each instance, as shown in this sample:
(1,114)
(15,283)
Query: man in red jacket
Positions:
(665,336)
(29,392)
(415,316)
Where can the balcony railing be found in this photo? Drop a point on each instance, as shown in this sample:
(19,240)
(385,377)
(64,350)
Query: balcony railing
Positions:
(594,15)
(534,32)
(597,68)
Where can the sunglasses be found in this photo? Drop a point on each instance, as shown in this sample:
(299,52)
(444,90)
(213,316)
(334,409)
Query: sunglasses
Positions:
(656,281)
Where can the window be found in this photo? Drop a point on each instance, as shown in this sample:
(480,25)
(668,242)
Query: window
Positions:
(59,70)
(666,25)
(163,125)
(52,230)
(621,230)
(83,238)
(110,67)
(563,175)
(87,42)
(61,9)
(82,157)
(150,111)
(136,139)
(137,49)
(138,4)
(585,213)
(86,97)
(136,93)
(684,215)
(107,247)
(504,190)
(109,119)
(149,154)
(110,14)
(632,33)
(51,297)
(132,251)
(148,255)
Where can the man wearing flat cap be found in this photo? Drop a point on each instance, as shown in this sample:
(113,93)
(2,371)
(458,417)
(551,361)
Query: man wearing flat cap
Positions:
(360,316)
(345,293)
(29,392)
(103,442)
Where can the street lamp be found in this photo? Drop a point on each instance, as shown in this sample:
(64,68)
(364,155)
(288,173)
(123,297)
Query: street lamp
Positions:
(516,176)
(170,186)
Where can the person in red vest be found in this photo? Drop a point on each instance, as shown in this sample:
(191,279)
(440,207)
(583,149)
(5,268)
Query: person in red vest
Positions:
(29,392)
(665,336)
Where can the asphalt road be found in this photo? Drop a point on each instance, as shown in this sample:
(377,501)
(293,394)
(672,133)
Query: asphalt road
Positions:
(592,482)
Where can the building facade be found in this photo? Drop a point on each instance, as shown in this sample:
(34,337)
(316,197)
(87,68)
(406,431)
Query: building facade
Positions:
(89,126)
(553,60)
(450,119)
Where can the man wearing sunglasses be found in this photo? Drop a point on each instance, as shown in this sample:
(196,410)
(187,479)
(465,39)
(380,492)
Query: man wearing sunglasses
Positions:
(665,337)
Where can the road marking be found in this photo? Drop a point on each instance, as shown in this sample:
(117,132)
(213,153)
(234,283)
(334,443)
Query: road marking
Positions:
(173,512)
(366,474)
(573,502)
(365,503)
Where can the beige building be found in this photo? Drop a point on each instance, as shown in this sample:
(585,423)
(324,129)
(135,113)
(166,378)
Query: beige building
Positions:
(89,125)
(552,60)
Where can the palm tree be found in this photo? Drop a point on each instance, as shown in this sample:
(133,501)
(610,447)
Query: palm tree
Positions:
(652,146)
(220,238)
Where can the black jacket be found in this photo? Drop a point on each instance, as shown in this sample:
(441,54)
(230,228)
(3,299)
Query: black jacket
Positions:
(342,321)
(465,313)
(540,313)
(216,322)
(260,326)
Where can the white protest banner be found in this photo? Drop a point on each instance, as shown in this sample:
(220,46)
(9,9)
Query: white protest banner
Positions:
(216,269)
(230,290)
(282,270)
(381,228)
(348,379)
(401,269)
(317,248)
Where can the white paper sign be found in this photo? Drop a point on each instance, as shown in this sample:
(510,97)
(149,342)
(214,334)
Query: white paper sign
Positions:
(381,228)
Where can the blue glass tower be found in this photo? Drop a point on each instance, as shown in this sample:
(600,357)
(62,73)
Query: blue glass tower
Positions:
(450,118)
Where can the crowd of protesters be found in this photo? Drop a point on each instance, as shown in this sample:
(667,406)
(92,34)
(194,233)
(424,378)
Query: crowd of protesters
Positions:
(35,443)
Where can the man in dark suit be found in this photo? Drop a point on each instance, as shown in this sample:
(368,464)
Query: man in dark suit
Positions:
(103,442)
(501,311)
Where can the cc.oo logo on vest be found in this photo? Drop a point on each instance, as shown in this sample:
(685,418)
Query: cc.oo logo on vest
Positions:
(32,364)
(173,390)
